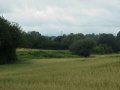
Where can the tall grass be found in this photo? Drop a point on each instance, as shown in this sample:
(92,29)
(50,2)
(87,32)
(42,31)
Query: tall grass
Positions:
(35,53)
(95,73)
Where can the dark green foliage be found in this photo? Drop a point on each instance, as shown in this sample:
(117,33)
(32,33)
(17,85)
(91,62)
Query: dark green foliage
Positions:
(92,36)
(118,45)
(106,43)
(25,41)
(118,41)
(34,40)
(71,38)
(109,40)
(118,36)
(9,40)
(102,49)
(82,47)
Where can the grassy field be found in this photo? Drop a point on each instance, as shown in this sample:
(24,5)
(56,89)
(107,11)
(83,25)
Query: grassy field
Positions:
(35,53)
(94,73)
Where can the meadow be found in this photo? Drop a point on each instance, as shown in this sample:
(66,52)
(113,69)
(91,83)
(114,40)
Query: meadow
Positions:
(63,72)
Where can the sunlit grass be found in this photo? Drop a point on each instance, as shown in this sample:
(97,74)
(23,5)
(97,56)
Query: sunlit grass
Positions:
(95,73)
(37,53)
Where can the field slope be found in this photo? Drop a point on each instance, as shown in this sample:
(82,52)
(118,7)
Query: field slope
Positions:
(95,73)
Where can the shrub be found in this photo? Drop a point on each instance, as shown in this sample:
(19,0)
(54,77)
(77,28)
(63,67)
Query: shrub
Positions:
(82,47)
(102,49)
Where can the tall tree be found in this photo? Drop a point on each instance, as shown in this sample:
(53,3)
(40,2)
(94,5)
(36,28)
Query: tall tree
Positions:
(10,34)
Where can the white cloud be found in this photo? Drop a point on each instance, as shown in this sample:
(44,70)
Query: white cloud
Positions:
(52,16)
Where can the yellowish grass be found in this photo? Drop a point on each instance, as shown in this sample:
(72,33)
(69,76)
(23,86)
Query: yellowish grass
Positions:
(95,73)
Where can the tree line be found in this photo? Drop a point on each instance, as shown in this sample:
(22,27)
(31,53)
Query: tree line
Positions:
(12,37)
(103,43)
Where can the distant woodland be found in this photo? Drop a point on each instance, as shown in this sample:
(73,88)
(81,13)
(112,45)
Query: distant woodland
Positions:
(12,37)
(104,43)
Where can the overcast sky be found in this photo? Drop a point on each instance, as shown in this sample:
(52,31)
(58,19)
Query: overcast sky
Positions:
(54,17)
